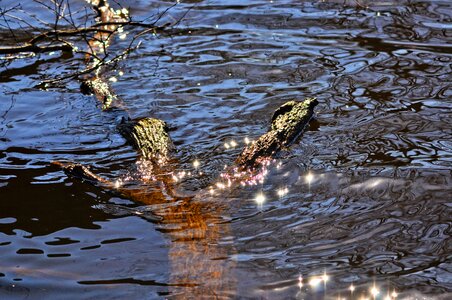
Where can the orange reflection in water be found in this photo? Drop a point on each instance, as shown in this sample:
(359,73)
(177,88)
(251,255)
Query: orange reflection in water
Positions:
(200,264)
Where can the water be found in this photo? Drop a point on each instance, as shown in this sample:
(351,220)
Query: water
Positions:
(362,199)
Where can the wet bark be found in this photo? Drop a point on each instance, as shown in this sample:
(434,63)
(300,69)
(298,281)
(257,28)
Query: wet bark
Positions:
(192,224)
(149,137)
(287,124)
(99,88)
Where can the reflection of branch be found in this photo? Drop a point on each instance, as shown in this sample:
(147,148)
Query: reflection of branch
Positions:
(35,48)
(31,46)
(84,38)
(95,67)
(3,14)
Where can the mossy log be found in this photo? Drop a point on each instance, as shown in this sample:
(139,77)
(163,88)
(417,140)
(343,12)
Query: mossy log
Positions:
(287,124)
(150,137)
(101,89)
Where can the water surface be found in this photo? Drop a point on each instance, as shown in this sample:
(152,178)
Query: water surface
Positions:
(362,199)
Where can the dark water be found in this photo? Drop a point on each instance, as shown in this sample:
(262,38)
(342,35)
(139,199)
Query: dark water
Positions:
(362,200)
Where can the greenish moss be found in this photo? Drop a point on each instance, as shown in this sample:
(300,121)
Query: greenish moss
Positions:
(100,89)
(289,119)
(287,124)
(149,136)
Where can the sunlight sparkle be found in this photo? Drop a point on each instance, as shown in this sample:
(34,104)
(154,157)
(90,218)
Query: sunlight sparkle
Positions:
(282,191)
(374,291)
(260,198)
(309,178)
(196,164)
(118,184)
(315,281)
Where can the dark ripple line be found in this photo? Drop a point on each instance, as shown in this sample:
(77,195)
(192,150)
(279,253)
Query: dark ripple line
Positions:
(131,280)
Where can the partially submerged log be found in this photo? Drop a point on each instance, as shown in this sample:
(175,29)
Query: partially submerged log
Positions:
(83,173)
(150,137)
(287,124)
(101,89)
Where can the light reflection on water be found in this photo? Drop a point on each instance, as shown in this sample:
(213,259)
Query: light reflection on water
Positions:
(363,198)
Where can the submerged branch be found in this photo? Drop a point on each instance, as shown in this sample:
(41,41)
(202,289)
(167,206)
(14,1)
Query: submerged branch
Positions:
(287,124)
(150,138)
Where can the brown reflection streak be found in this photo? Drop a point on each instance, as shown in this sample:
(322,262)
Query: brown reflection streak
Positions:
(200,266)
(196,259)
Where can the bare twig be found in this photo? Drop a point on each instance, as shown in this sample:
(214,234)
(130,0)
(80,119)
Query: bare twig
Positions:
(96,66)
(64,34)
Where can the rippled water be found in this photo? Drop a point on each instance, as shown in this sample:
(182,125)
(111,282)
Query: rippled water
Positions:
(363,199)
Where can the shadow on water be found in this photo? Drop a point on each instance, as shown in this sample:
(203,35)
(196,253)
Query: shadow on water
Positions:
(360,207)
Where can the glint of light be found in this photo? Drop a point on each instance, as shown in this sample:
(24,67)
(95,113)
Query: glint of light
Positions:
(123,36)
(387,298)
(220,185)
(233,143)
(282,192)
(300,281)
(260,198)
(118,183)
(374,291)
(325,277)
(247,140)
(309,178)
(226,145)
(394,294)
(352,288)
(315,281)
(196,164)
(113,79)
(120,73)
